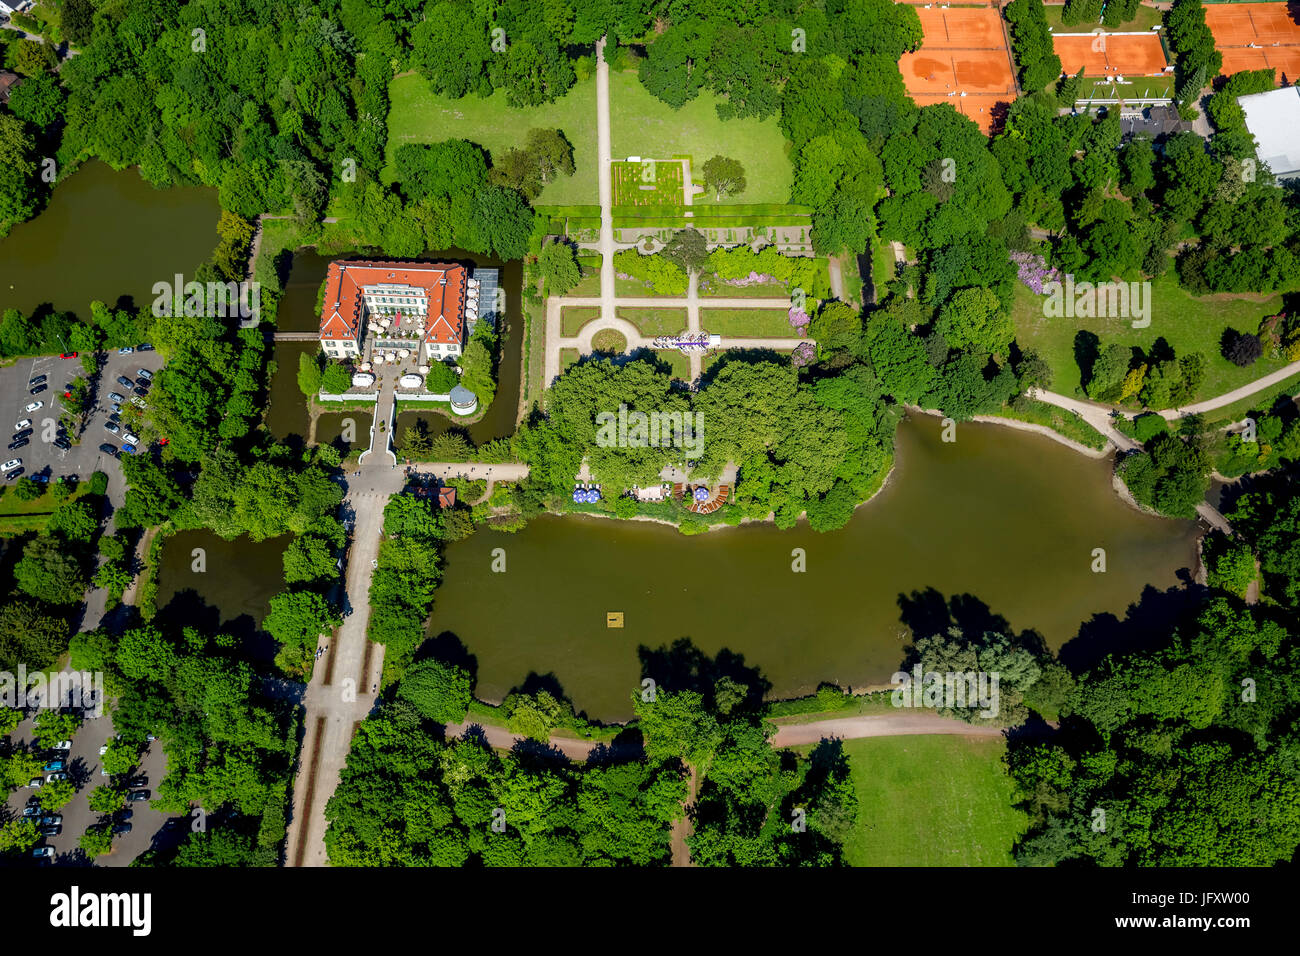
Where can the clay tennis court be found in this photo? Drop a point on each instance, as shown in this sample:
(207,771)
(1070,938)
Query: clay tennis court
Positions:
(1110,54)
(1256,36)
(963,60)
(1241,24)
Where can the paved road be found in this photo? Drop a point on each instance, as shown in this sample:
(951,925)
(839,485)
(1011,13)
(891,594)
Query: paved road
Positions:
(344,682)
(787,735)
(1236,395)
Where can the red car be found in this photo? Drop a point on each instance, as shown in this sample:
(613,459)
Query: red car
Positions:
(68,355)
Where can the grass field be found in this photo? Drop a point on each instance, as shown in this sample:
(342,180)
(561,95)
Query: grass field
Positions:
(642,125)
(931,801)
(748,323)
(1144,19)
(574,317)
(765,290)
(568,357)
(1186,322)
(680,363)
(590,282)
(1136,88)
(1261,400)
(654,321)
(418,115)
(608,340)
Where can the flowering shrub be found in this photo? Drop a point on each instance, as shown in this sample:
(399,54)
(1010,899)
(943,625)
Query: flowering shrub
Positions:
(803,354)
(798,317)
(1033,271)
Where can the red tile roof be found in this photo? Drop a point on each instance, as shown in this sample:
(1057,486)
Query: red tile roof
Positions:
(443,284)
(446,497)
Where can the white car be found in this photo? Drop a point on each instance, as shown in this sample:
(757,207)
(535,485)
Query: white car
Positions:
(62,745)
(110,428)
(145,374)
(137,401)
(103,750)
(34,406)
(11,464)
(19,426)
(126,350)
(131,439)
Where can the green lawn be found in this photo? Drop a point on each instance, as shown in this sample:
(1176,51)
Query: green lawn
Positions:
(654,321)
(1144,19)
(766,290)
(748,323)
(1134,88)
(681,364)
(644,126)
(417,115)
(609,340)
(574,317)
(638,185)
(568,357)
(1260,401)
(590,282)
(931,801)
(1189,324)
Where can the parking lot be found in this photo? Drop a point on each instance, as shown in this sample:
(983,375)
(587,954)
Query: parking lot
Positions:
(41,456)
(149,827)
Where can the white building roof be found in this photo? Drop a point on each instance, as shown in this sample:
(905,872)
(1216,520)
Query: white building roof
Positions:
(1273,118)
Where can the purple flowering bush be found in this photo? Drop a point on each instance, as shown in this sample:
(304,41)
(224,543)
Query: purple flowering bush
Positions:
(803,354)
(1033,270)
(798,318)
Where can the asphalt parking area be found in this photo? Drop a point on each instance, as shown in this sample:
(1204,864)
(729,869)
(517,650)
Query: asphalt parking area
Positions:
(40,456)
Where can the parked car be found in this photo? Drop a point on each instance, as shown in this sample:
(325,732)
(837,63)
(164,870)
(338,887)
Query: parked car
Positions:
(11,464)
(123,814)
(111,428)
(141,392)
(114,397)
(62,442)
(51,777)
(20,443)
(52,830)
(33,406)
(144,373)
(25,423)
(37,390)
(121,828)
(52,819)
(144,347)
(16,473)
(41,479)
(130,439)
(62,745)
(115,418)
(108,449)
(67,355)
(137,401)
(126,350)
(43,853)
(128,449)
(136,782)
(123,380)
(32,810)
(135,796)
(54,765)
(103,750)
(38,380)
(36,783)
(22,433)
(144,383)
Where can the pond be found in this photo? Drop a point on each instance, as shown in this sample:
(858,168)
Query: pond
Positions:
(1008,517)
(106,234)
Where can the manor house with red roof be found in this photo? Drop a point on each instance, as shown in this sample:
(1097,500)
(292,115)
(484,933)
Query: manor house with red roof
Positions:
(434,294)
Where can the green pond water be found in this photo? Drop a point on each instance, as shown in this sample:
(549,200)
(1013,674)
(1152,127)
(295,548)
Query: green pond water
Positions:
(1009,517)
(104,235)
